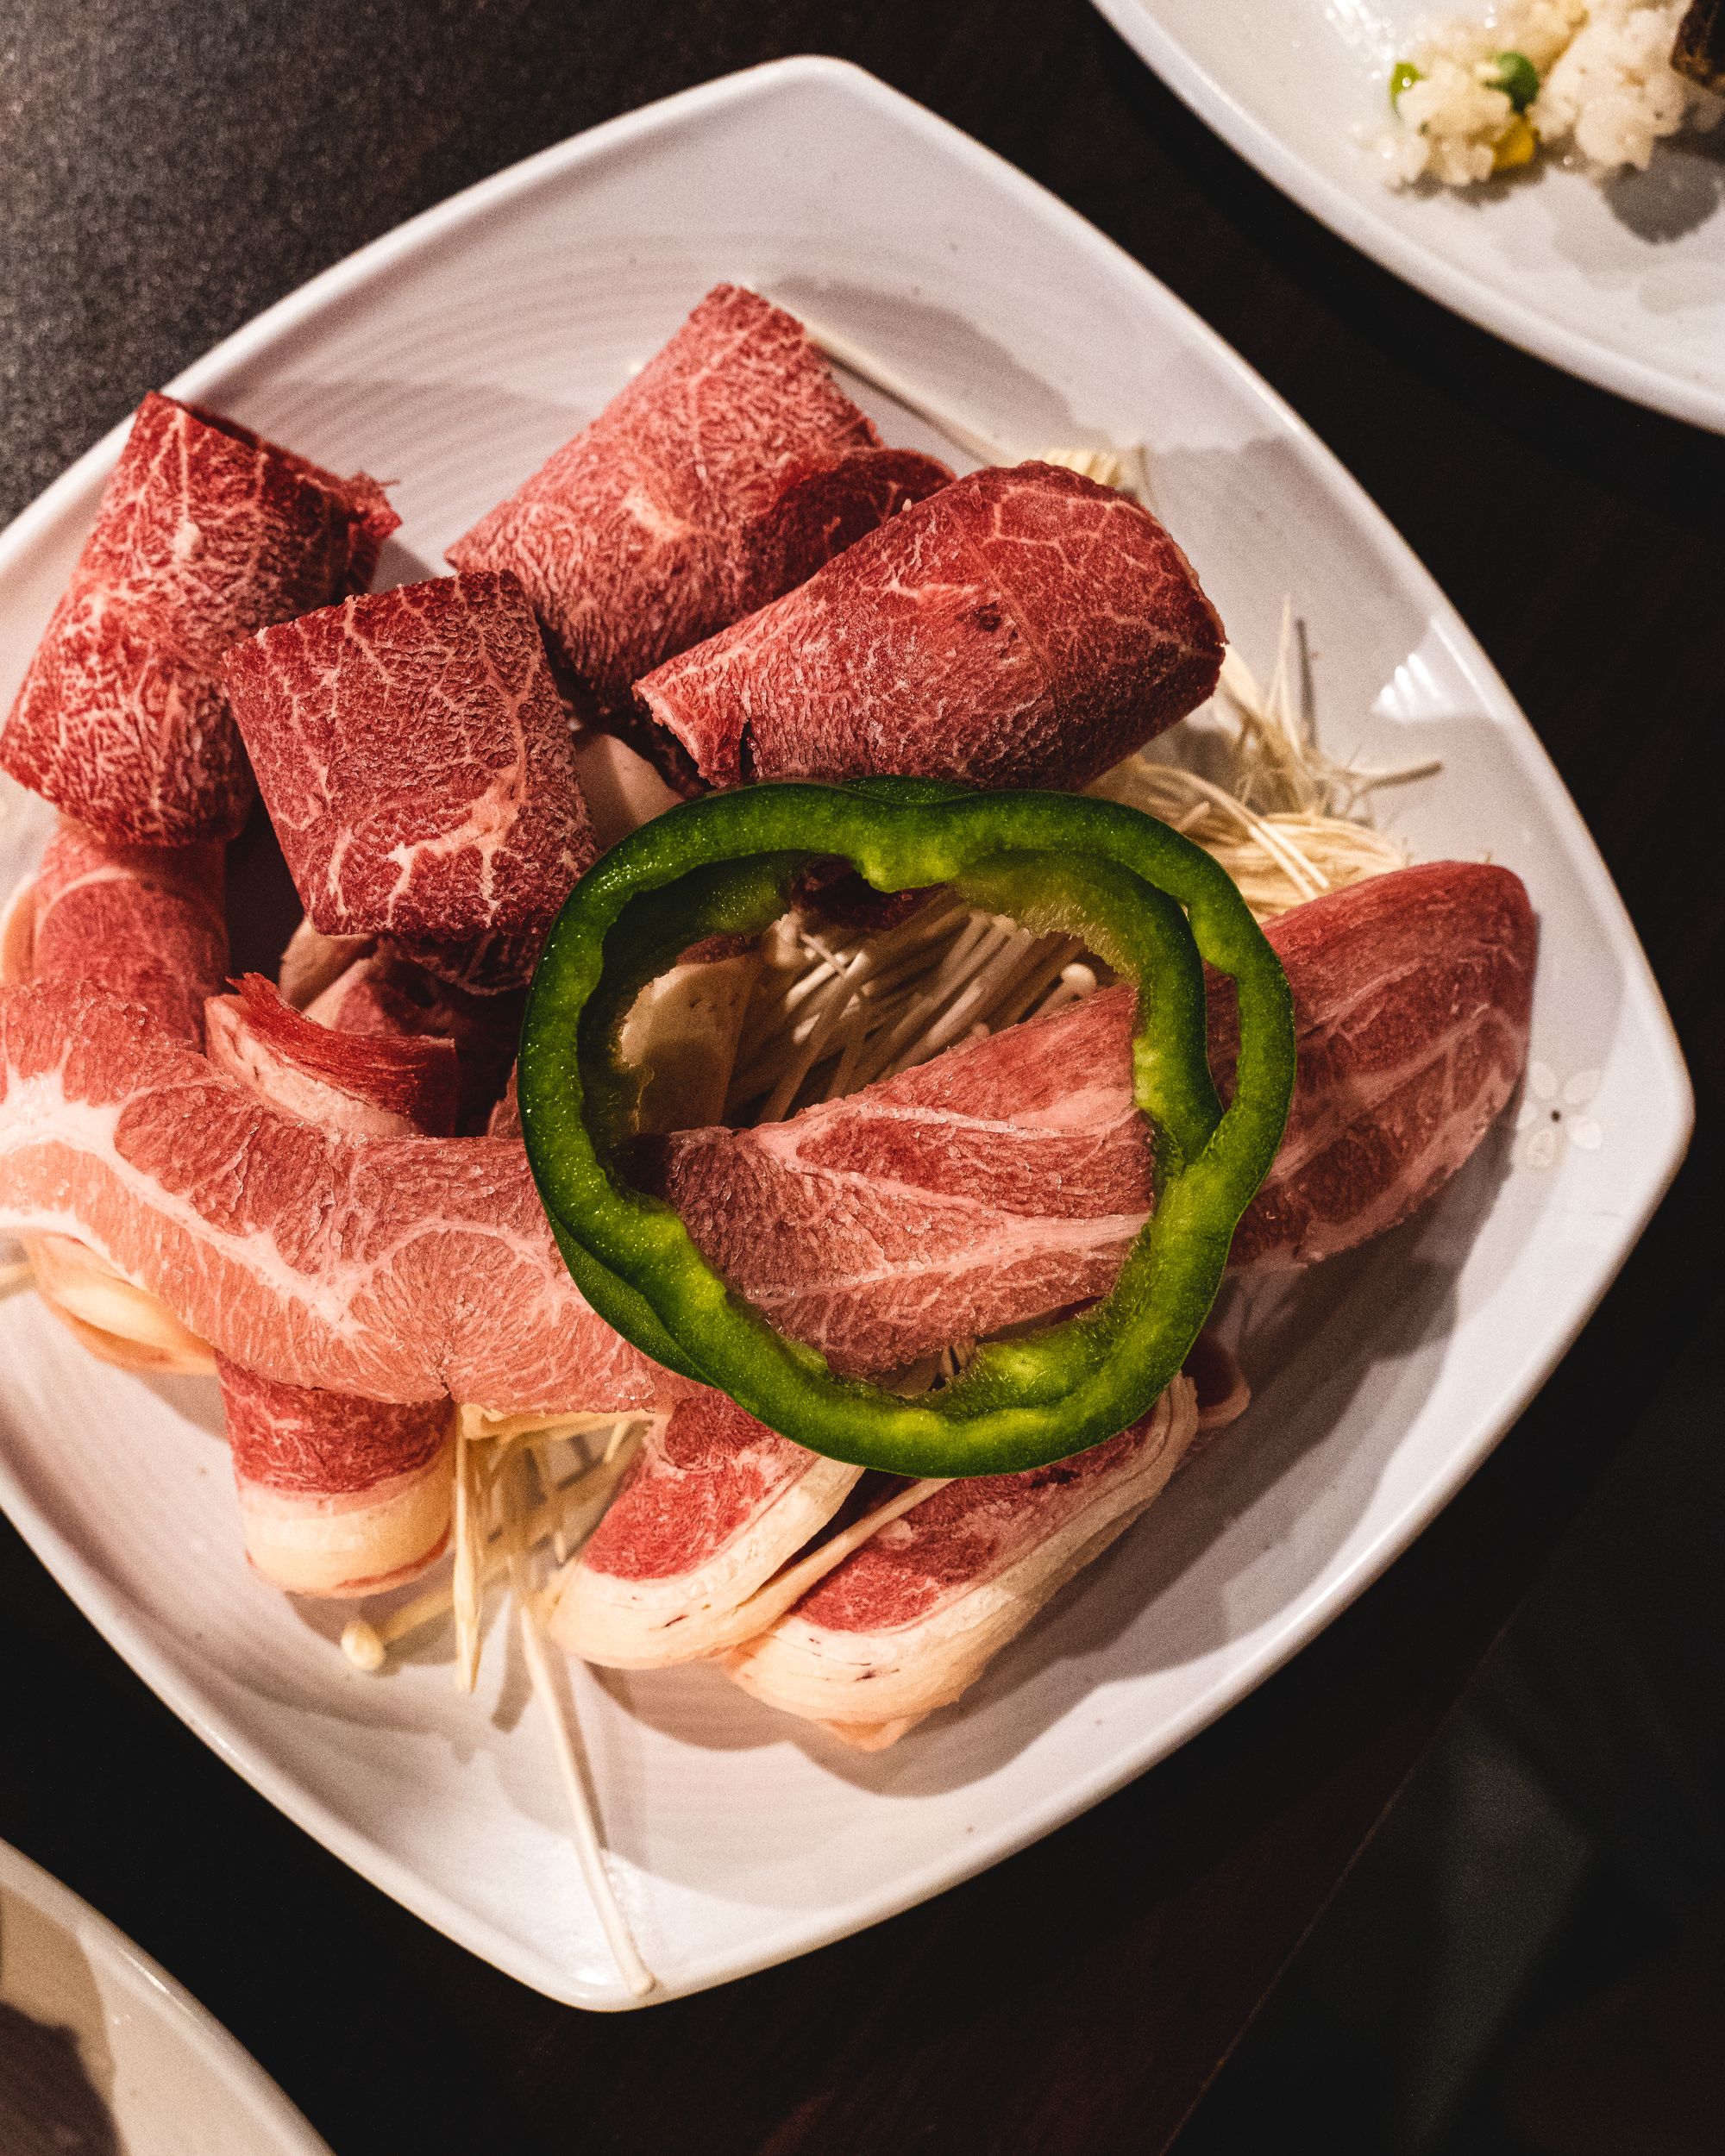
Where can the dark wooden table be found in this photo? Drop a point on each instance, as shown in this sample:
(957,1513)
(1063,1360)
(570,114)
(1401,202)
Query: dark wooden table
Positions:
(169,166)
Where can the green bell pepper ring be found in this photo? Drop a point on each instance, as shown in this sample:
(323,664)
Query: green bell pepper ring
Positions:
(1155,907)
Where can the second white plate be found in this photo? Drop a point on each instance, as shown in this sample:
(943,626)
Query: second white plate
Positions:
(100,2049)
(1623,285)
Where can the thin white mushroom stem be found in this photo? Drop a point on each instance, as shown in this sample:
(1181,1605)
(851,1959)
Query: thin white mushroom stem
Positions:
(551,1689)
(559,1716)
(566,1517)
(471,1531)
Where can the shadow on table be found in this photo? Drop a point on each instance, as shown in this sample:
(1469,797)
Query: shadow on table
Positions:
(1530,1956)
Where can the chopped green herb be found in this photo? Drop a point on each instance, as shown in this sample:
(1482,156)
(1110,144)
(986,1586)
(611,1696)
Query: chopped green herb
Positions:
(1401,75)
(1518,78)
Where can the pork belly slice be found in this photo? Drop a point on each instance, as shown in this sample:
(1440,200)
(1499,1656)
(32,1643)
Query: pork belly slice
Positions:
(714,1506)
(205,533)
(146,922)
(415,758)
(1005,1179)
(1023,627)
(404,1269)
(367,1085)
(908,1622)
(339,1497)
(728,470)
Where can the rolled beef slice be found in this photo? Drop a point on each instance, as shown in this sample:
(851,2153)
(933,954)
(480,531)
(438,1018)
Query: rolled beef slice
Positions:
(146,922)
(1021,627)
(1006,1179)
(381,992)
(1005,1184)
(728,470)
(415,758)
(339,1495)
(205,533)
(377,1085)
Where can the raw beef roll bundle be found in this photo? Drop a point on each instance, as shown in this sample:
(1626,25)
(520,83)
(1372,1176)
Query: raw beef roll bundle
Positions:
(1003,1184)
(1006,1178)
(415,758)
(728,470)
(695,1555)
(206,532)
(909,1621)
(338,1495)
(1021,627)
(715,1504)
(144,921)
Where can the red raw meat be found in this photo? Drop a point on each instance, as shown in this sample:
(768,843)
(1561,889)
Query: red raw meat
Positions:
(380,992)
(728,470)
(376,1084)
(339,1495)
(1021,627)
(401,1269)
(715,1504)
(907,1622)
(143,921)
(205,533)
(684,1507)
(1005,1179)
(415,758)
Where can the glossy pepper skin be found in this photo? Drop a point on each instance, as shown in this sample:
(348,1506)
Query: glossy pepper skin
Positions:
(1151,903)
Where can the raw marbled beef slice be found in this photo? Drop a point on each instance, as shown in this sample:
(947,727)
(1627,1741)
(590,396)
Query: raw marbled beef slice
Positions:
(378,1085)
(339,1495)
(414,755)
(715,1504)
(206,532)
(1005,1179)
(381,992)
(404,1269)
(1021,627)
(144,921)
(909,1621)
(729,469)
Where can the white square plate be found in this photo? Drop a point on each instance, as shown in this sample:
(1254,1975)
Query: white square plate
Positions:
(456,352)
(1622,283)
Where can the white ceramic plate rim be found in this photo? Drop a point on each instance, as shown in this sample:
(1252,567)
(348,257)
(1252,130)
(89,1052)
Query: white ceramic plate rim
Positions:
(192,2025)
(1478,298)
(1301,1620)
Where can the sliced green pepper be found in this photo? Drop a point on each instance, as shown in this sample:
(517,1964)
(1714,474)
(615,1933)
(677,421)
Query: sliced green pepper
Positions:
(1155,907)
